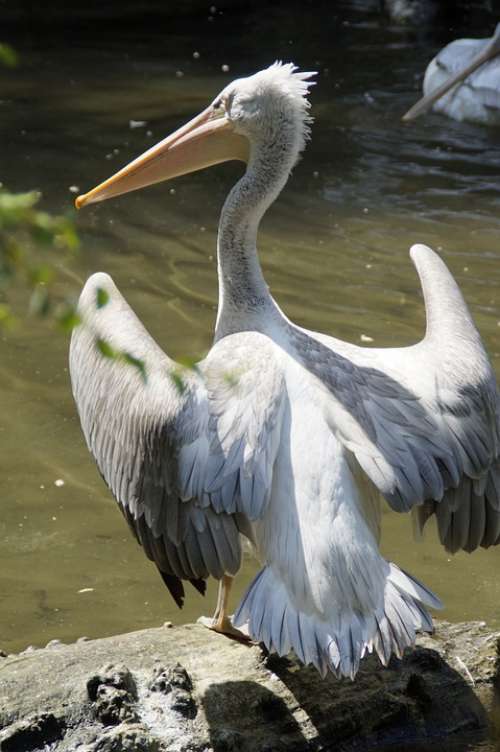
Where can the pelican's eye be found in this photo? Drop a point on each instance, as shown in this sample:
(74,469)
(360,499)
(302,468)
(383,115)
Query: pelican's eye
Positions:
(219,105)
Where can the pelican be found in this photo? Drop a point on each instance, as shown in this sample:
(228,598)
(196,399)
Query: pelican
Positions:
(283,435)
(463,82)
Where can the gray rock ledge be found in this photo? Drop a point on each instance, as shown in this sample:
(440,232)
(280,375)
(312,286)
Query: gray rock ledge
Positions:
(187,688)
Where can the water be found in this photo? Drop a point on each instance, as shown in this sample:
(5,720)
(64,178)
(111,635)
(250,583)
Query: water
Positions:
(334,250)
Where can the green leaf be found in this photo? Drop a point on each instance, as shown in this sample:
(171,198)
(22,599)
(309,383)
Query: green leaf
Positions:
(67,237)
(105,349)
(69,319)
(6,317)
(231,378)
(13,253)
(179,382)
(18,201)
(102,298)
(43,235)
(44,221)
(25,231)
(8,56)
(137,363)
(40,301)
(189,362)
(41,275)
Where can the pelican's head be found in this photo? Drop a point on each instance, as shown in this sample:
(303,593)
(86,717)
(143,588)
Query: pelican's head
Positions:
(261,105)
(248,111)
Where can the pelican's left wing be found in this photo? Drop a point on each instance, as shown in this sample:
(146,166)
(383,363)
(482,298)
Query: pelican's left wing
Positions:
(422,421)
(187,453)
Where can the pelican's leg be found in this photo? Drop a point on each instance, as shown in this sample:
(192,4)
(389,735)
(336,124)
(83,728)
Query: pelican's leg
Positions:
(220,622)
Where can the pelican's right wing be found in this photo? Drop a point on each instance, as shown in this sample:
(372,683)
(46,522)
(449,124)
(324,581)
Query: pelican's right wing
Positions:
(187,453)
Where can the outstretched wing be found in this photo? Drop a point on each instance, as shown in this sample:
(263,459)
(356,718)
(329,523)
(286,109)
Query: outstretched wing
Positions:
(187,453)
(422,421)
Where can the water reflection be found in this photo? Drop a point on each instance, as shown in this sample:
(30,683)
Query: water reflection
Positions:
(334,250)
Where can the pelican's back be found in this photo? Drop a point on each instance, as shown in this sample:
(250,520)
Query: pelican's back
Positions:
(477,99)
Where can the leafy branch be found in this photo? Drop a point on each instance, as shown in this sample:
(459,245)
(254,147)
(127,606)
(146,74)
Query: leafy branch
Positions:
(26,234)
(28,238)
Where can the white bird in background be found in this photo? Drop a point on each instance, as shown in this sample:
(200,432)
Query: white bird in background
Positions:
(287,436)
(463,82)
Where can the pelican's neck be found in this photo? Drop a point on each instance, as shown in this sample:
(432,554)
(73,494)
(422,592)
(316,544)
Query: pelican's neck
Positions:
(244,298)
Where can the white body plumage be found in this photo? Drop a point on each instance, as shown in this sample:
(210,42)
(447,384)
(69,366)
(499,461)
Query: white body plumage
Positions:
(287,436)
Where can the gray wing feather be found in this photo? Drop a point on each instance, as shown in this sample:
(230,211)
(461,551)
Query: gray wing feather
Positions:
(177,463)
(468,516)
(422,421)
(246,390)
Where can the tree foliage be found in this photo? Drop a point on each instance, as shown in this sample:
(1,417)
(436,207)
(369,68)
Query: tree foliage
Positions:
(28,239)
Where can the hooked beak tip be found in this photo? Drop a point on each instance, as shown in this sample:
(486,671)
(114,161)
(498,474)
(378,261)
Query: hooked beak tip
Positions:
(80,201)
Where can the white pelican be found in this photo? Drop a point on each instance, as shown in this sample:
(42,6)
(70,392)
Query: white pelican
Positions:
(463,82)
(285,435)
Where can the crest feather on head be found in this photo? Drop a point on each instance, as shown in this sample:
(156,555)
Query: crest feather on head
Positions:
(295,85)
(288,78)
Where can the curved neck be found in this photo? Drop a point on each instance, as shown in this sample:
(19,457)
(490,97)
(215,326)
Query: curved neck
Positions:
(244,299)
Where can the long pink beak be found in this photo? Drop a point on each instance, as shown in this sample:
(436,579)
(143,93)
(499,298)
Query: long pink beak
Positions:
(206,140)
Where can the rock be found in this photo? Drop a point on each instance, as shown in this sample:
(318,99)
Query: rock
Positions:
(177,683)
(164,680)
(117,676)
(192,689)
(124,738)
(54,644)
(113,692)
(34,732)
(29,649)
(227,740)
(113,706)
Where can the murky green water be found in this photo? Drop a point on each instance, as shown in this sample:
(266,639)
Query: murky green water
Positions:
(334,249)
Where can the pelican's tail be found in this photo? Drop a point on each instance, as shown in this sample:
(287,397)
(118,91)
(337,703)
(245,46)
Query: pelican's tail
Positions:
(340,643)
